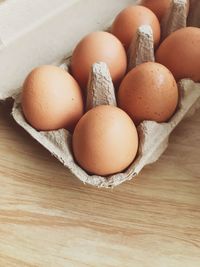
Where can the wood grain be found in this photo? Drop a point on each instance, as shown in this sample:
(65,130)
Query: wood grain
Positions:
(49,219)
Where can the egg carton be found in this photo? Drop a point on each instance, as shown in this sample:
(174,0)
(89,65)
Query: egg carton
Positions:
(153,136)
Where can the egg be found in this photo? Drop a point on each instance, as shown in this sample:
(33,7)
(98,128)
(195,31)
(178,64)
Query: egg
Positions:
(180,53)
(149,92)
(98,46)
(51,99)
(105,141)
(128,21)
(159,7)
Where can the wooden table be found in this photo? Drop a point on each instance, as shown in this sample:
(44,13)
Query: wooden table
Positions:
(49,219)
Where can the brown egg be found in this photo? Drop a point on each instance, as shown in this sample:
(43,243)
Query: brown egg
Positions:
(130,19)
(98,46)
(159,7)
(51,99)
(105,141)
(148,92)
(180,53)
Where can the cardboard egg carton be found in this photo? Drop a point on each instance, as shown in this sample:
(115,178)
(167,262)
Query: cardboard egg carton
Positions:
(153,136)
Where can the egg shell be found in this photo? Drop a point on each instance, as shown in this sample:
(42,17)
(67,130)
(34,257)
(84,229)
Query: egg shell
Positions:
(95,47)
(158,7)
(51,99)
(128,21)
(149,92)
(105,141)
(180,53)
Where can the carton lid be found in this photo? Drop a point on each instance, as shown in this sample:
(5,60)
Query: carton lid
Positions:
(39,32)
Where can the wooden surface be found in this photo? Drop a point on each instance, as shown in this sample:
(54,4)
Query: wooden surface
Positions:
(49,219)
